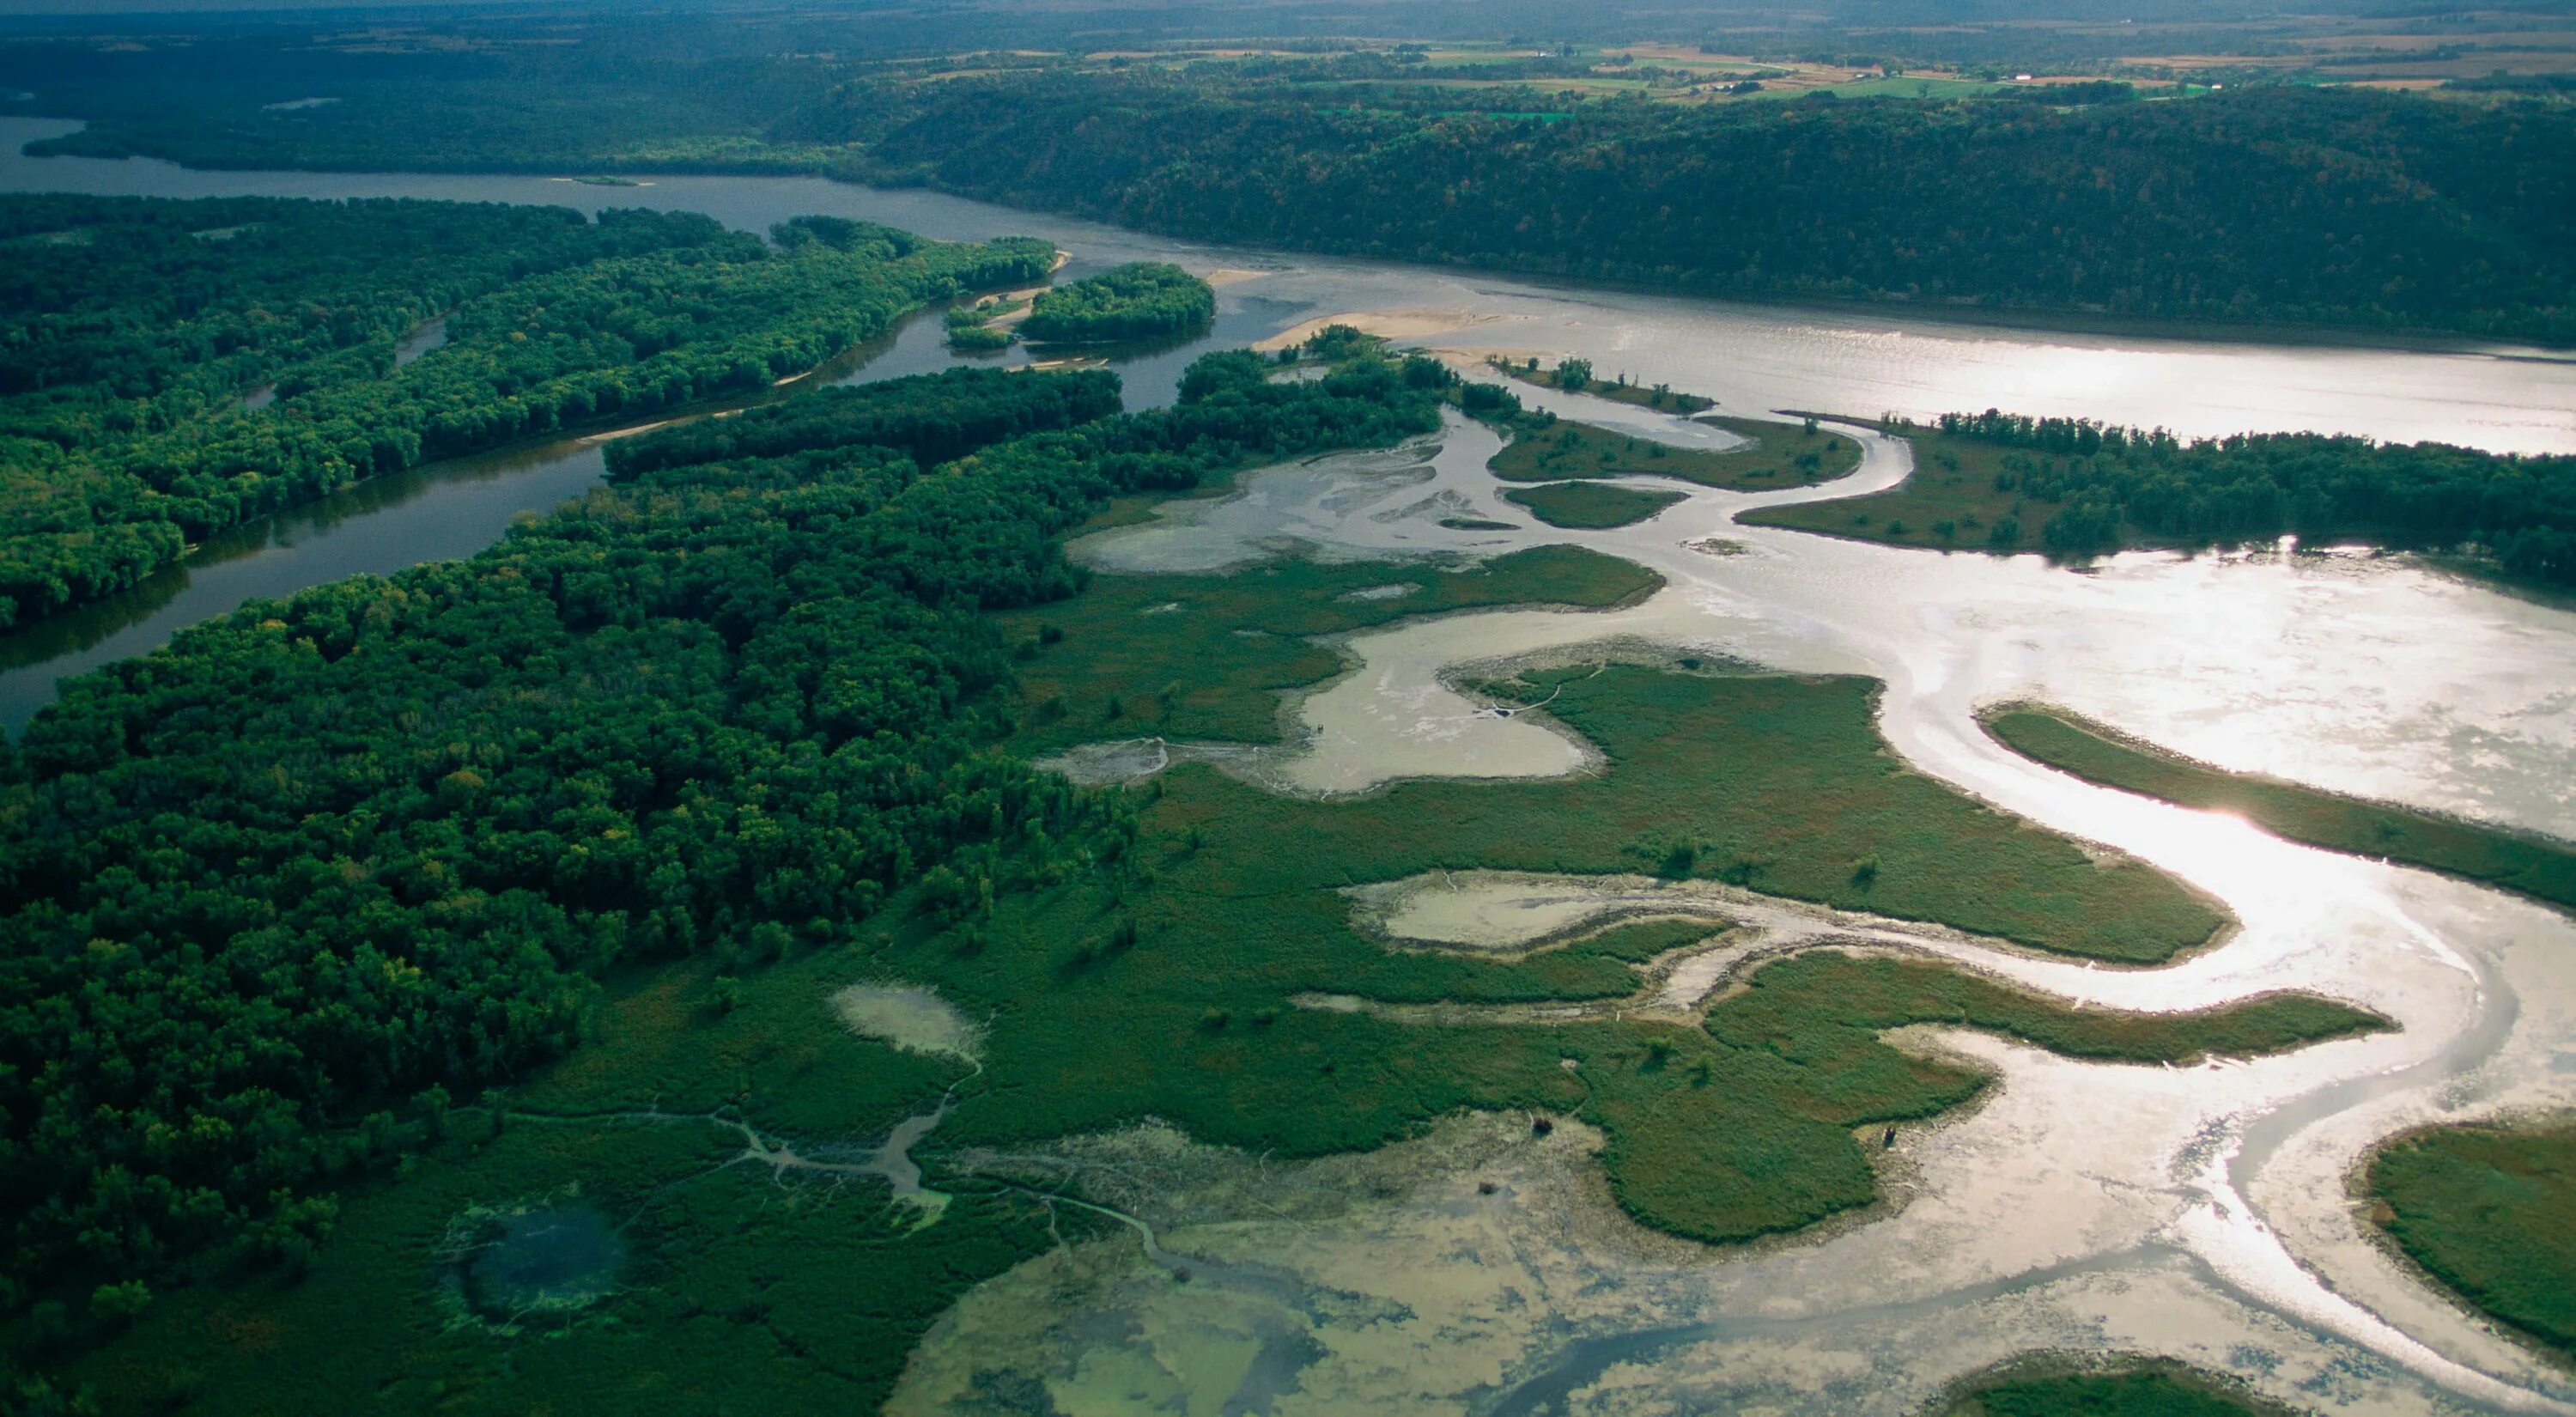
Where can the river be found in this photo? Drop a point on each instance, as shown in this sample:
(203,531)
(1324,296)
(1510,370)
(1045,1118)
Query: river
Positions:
(2197,1212)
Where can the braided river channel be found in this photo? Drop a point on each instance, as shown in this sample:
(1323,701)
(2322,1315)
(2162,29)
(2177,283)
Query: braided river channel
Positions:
(2204,1212)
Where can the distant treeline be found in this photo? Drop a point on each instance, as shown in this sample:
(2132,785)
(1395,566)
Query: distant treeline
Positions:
(2333,206)
(274,897)
(1140,300)
(131,330)
(2329,206)
(2115,487)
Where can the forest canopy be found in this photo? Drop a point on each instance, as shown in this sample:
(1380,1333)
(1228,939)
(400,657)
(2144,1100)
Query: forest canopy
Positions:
(1140,300)
(172,369)
(717,708)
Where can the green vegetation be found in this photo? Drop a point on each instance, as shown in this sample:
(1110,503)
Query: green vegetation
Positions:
(1206,658)
(123,436)
(2055,1387)
(971,329)
(723,709)
(1575,376)
(2534,866)
(609,813)
(1589,505)
(2491,1212)
(2236,206)
(2002,482)
(2266,202)
(1141,300)
(929,419)
(1781,455)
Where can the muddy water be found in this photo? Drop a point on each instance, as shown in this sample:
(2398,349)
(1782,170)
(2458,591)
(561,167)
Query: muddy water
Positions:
(2200,1212)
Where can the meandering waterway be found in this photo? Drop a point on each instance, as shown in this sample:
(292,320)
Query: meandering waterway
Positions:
(2199,1212)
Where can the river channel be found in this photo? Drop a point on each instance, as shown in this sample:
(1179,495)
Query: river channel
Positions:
(2199,1212)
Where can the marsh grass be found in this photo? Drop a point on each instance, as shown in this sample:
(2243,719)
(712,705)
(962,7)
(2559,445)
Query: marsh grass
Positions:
(1589,506)
(1949,503)
(1213,669)
(2491,1212)
(1779,455)
(2531,865)
(2053,1386)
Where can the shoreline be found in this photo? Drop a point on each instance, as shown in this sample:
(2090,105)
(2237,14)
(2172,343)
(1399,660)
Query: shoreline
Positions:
(2026,319)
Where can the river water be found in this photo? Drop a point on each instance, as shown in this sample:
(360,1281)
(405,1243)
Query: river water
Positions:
(2199,1212)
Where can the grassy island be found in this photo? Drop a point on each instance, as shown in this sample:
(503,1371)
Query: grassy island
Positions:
(1779,455)
(2491,1212)
(1574,376)
(2132,1387)
(1587,505)
(2517,861)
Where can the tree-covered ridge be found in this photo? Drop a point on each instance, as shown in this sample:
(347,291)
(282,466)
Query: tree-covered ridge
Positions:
(352,854)
(930,419)
(2338,207)
(126,445)
(2071,487)
(1140,300)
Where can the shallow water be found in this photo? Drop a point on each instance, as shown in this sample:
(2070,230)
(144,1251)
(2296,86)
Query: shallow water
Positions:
(2199,1212)
(2195,1211)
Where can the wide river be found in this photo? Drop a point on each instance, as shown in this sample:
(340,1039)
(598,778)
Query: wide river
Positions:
(2201,1213)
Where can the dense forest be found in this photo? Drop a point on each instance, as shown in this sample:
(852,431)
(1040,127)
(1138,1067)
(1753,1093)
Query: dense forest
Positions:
(2335,206)
(278,894)
(1140,300)
(171,369)
(2111,487)
(929,419)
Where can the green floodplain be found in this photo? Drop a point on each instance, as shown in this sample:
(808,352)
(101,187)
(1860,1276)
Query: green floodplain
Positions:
(685,1213)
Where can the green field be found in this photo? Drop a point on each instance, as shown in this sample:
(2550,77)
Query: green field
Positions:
(1589,506)
(1781,455)
(2531,865)
(2056,1387)
(1949,503)
(2491,1212)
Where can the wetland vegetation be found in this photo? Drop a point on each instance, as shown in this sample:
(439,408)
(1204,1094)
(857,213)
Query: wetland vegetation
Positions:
(2115,1387)
(619,813)
(1775,455)
(2491,1212)
(1589,505)
(2517,861)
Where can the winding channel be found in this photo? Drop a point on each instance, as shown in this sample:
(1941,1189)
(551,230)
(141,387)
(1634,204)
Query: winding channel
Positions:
(2200,1212)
